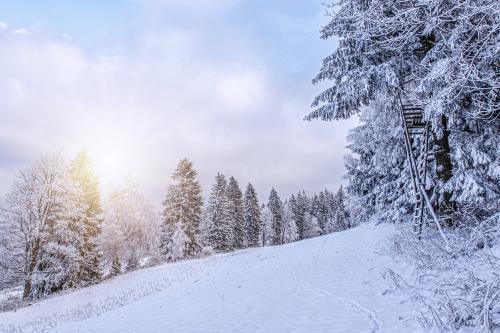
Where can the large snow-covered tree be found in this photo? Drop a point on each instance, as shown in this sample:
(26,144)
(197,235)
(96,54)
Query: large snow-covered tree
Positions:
(183,204)
(219,217)
(276,207)
(84,177)
(450,51)
(252,218)
(236,211)
(41,230)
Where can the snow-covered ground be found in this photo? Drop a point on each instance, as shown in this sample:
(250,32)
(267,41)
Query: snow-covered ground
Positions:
(332,283)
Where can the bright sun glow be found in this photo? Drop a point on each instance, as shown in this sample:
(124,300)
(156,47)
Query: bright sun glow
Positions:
(111,156)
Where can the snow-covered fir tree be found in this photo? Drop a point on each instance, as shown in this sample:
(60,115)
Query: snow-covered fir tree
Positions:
(236,216)
(84,177)
(218,216)
(116,266)
(322,213)
(314,206)
(449,53)
(183,204)
(252,218)
(176,246)
(290,230)
(341,214)
(311,226)
(266,217)
(276,207)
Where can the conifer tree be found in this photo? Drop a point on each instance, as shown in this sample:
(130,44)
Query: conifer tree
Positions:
(267,225)
(84,177)
(221,229)
(314,208)
(276,207)
(301,208)
(116,266)
(311,226)
(236,213)
(323,212)
(341,215)
(177,243)
(290,231)
(183,204)
(451,65)
(252,218)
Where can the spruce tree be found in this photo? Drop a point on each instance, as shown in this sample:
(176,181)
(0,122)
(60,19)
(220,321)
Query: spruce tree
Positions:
(234,196)
(452,68)
(290,230)
(299,205)
(182,205)
(116,266)
(252,218)
(314,208)
(267,225)
(221,229)
(311,226)
(276,207)
(177,243)
(322,213)
(341,216)
(84,177)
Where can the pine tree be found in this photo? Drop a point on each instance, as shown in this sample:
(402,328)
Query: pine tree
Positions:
(452,65)
(236,213)
(276,207)
(116,266)
(84,177)
(267,225)
(299,213)
(221,229)
(341,215)
(177,243)
(252,218)
(311,226)
(323,211)
(314,207)
(183,205)
(290,230)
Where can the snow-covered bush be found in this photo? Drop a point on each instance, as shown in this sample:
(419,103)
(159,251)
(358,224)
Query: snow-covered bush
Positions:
(459,285)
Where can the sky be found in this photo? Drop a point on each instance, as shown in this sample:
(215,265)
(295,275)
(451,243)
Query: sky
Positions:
(141,84)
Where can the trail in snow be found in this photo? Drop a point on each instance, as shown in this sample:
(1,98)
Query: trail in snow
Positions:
(369,313)
(286,288)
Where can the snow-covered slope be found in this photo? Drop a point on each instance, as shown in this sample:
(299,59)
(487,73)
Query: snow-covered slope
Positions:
(326,284)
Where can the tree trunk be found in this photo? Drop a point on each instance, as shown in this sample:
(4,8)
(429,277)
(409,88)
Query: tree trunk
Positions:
(444,172)
(27,288)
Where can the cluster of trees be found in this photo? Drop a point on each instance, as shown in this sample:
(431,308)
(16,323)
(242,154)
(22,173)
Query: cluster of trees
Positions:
(49,227)
(443,55)
(233,220)
(450,51)
(56,234)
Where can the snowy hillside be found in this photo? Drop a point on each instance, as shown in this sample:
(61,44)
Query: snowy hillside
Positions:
(326,284)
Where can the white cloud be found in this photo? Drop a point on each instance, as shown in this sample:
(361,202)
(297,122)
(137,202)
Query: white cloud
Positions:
(171,97)
(3,25)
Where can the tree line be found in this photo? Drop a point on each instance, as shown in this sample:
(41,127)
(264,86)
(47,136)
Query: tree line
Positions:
(57,233)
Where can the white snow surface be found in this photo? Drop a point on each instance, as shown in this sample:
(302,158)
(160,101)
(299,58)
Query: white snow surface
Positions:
(332,283)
